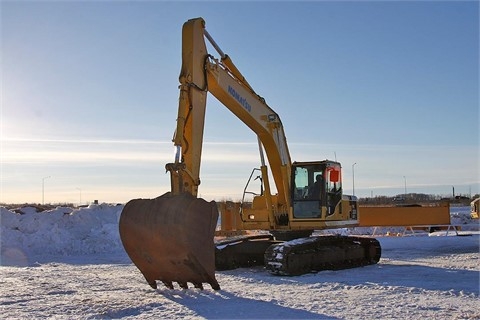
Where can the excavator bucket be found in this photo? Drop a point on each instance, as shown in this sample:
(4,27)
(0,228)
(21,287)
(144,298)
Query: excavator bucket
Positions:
(170,238)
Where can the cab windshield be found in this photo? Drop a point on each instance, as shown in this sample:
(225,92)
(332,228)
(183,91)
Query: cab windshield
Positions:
(315,186)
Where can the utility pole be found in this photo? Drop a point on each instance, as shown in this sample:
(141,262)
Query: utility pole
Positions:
(405,180)
(43,189)
(80,202)
(353,177)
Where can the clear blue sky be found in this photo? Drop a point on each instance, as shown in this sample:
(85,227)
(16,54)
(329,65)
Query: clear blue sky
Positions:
(89,94)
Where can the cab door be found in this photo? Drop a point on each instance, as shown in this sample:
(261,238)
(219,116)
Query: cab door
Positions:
(308,190)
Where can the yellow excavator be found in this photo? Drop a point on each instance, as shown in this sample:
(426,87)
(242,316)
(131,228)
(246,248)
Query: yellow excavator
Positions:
(171,238)
(475,208)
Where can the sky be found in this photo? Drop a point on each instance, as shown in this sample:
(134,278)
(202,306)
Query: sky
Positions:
(89,95)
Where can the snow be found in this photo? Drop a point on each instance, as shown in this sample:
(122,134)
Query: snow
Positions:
(69,263)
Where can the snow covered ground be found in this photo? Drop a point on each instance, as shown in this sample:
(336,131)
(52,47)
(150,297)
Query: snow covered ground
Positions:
(69,263)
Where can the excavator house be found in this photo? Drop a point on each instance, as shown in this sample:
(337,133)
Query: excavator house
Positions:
(171,238)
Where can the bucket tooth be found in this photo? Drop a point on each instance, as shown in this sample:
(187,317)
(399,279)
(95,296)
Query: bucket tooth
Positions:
(170,239)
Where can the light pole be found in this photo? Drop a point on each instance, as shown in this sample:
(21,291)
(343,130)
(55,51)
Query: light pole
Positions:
(353,177)
(405,180)
(43,189)
(80,202)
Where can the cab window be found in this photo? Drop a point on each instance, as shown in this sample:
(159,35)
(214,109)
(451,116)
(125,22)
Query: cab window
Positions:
(309,185)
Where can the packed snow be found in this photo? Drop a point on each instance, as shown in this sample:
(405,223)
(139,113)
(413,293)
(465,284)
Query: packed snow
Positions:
(69,263)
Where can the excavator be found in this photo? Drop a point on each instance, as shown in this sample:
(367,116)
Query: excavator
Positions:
(171,238)
(475,208)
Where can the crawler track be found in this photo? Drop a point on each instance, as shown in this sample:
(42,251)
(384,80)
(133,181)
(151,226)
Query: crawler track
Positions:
(313,254)
(242,251)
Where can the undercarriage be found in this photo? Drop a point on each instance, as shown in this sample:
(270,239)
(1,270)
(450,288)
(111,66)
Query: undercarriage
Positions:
(299,256)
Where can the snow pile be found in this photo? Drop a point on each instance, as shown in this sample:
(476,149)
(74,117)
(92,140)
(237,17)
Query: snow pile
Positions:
(26,233)
(460,216)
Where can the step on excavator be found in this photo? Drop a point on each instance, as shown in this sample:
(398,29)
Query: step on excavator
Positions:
(171,238)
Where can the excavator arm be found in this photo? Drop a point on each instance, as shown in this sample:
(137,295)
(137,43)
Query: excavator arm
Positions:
(170,238)
(202,73)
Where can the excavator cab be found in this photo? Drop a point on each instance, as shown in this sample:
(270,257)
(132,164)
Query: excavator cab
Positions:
(316,188)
